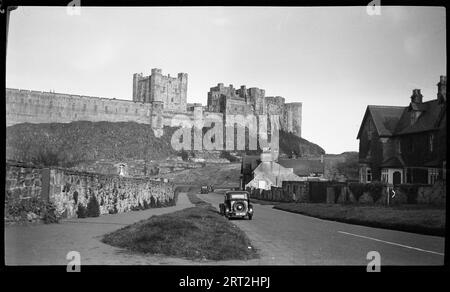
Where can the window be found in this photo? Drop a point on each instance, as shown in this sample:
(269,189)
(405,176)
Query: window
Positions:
(369,128)
(431,142)
(368,175)
(399,146)
(413,118)
(433,174)
(385,175)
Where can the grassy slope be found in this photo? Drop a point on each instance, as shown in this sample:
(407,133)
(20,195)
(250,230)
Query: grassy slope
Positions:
(75,142)
(417,219)
(86,141)
(197,233)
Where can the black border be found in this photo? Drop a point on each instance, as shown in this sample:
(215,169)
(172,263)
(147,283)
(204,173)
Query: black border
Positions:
(280,275)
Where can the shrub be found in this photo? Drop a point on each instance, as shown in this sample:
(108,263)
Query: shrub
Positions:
(184,155)
(81,211)
(152,202)
(357,190)
(411,192)
(93,207)
(50,216)
(375,190)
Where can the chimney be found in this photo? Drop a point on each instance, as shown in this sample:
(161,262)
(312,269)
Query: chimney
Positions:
(416,96)
(442,89)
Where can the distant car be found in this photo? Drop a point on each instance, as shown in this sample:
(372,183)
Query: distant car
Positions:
(204,190)
(236,205)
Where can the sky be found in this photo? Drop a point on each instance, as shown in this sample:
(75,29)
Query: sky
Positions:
(335,60)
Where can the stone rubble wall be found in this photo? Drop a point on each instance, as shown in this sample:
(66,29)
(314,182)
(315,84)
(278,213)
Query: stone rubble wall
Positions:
(68,188)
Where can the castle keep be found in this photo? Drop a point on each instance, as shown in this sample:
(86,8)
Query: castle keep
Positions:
(172,92)
(156,100)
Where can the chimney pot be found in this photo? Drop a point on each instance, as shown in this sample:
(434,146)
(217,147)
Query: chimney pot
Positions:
(416,96)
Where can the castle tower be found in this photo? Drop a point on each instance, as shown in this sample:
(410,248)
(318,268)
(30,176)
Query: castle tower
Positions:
(293,118)
(136,78)
(183,82)
(155,85)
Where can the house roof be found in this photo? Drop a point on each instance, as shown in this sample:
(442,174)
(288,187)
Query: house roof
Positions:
(394,161)
(273,173)
(385,118)
(431,112)
(395,120)
(303,167)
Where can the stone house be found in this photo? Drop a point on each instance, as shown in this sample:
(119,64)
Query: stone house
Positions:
(405,144)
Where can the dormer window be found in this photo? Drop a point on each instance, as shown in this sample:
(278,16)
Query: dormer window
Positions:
(414,117)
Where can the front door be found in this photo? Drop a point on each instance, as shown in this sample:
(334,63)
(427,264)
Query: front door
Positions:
(397,177)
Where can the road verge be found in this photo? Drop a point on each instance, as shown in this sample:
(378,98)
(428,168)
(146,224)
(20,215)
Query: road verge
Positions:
(410,218)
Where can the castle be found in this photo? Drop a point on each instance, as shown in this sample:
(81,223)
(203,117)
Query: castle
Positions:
(156,99)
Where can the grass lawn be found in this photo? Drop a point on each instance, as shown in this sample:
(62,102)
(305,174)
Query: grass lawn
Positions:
(197,233)
(263,202)
(412,218)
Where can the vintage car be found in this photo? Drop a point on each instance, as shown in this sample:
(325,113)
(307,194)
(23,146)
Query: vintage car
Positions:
(236,205)
(204,190)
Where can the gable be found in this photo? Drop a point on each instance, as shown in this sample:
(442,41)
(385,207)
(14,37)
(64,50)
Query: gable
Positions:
(384,118)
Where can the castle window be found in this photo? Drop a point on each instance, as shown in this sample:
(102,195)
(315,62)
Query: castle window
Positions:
(106,108)
(95,107)
(126,109)
(399,147)
(84,107)
(136,111)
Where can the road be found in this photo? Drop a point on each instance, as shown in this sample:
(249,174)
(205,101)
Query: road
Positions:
(284,238)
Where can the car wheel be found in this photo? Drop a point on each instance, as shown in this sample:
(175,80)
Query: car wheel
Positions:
(250,217)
